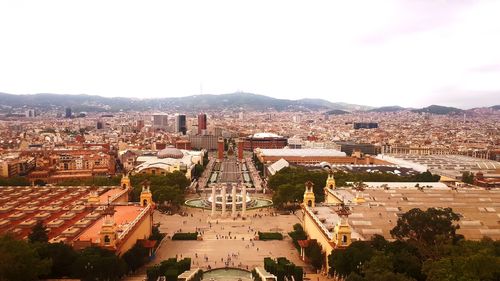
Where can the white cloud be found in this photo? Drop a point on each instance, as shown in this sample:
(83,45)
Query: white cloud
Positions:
(369,52)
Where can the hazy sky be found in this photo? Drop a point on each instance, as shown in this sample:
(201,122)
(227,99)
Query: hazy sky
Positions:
(410,53)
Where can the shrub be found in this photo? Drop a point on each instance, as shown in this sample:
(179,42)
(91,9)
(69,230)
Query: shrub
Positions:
(270,236)
(185,236)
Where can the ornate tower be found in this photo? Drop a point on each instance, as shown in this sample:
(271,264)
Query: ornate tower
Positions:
(309,195)
(330,181)
(108,235)
(360,187)
(125,182)
(93,196)
(146,196)
(342,230)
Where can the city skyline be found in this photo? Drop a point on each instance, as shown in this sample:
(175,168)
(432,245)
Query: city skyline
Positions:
(411,53)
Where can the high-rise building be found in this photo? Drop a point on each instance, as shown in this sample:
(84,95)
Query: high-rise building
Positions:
(180,124)
(68,112)
(139,124)
(160,121)
(99,125)
(31,113)
(365,125)
(202,123)
(365,148)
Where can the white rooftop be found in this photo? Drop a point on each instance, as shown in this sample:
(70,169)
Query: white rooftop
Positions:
(265,135)
(394,185)
(311,152)
(277,166)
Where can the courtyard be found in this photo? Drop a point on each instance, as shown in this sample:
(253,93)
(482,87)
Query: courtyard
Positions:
(226,242)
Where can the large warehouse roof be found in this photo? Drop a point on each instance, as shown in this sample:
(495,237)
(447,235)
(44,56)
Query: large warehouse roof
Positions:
(265,135)
(307,152)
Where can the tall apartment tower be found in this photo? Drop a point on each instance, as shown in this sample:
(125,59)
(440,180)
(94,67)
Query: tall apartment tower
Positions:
(220,148)
(180,124)
(68,112)
(160,121)
(202,123)
(239,144)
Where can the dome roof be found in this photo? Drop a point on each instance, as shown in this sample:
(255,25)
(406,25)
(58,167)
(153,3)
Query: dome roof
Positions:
(170,152)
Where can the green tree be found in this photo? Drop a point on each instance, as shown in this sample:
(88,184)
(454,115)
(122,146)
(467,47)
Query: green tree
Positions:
(380,268)
(351,259)
(165,188)
(315,254)
(62,257)
(288,193)
(14,181)
(95,263)
(427,177)
(298,176)
(426,227)
(136,257)
(19,261)
(156,234)
(205,159)
(467,260)
(38,233)
(468,177)
(297,234)
(198,171)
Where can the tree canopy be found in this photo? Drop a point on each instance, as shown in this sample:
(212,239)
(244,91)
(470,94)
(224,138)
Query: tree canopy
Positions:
(468,177)
(288,183)
(426,226)
(38,233)
(19,261)
(408,257)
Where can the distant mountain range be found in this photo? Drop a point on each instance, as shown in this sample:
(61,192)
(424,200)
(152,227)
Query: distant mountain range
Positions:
(235,101)
(245,101)
(393,108)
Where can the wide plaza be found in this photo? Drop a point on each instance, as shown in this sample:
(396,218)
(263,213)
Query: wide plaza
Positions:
(226,241)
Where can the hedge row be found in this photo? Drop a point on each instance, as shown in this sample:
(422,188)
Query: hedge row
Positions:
(185,236)
(170,268)
(282,268)
(270,236)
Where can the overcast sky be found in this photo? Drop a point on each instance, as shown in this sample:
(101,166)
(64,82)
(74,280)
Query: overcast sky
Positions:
(410,53)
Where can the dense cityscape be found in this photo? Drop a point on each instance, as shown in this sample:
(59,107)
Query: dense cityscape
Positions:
(130,184)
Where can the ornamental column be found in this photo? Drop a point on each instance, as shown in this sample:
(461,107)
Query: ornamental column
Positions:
(233,201)
(244,198)
(224,201)
(213,201)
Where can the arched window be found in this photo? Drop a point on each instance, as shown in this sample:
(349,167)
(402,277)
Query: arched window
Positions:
(309,203)
(344,239)
(145,202)
(106,240)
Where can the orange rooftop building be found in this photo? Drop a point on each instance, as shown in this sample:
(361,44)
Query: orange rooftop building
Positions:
(81,216)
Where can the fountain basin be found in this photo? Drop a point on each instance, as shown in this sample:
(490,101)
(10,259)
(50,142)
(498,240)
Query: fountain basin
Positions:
(227,274)
(254,203)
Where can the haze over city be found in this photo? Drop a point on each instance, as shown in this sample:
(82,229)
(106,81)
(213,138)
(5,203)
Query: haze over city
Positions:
(407,53)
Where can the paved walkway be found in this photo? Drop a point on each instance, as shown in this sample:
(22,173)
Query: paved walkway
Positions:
(230,171)
(227,242)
